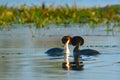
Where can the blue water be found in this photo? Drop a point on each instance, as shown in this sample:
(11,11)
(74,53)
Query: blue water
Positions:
(22,57)
(80,3)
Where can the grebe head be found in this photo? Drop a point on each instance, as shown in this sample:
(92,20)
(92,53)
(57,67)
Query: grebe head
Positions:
(77,40)
(66,39)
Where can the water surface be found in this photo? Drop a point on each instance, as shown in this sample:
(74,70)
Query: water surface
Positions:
(22,56)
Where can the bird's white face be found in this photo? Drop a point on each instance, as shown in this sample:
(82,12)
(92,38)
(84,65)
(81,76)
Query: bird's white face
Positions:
(67,51)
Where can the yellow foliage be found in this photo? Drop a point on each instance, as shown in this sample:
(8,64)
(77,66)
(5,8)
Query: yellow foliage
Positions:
(9,13)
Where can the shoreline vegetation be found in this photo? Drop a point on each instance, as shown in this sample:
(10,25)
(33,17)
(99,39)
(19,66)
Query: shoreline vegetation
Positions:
(41,16)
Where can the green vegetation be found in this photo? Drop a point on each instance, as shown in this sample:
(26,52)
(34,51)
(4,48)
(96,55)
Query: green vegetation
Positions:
(41,15)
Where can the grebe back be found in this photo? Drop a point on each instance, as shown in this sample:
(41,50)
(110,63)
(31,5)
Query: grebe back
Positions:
(78,41)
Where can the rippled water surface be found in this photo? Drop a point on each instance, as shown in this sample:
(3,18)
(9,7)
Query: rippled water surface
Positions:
(22,57)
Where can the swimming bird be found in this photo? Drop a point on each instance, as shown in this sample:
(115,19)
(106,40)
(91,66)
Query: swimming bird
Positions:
(78,41)
(60,51)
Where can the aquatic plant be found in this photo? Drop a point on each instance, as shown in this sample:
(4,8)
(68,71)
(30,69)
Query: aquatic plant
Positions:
(42,15)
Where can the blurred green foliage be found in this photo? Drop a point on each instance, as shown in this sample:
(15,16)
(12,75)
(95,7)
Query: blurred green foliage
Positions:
(41,15)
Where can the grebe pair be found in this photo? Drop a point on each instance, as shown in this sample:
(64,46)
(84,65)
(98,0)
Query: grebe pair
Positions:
(76,41)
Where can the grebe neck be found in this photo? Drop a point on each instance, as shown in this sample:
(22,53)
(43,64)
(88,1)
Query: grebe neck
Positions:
(77,48)
(67,51)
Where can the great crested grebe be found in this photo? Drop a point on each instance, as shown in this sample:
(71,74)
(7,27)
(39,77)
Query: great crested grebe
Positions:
(68,64)
(60,51)
(78,41)
(77,64)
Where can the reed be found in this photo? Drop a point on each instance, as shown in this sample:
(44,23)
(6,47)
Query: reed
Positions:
(41,15)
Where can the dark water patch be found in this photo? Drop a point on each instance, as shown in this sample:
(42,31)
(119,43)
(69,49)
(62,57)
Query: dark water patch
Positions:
(103,46)
(11,53)
(118,62)
(3,55)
